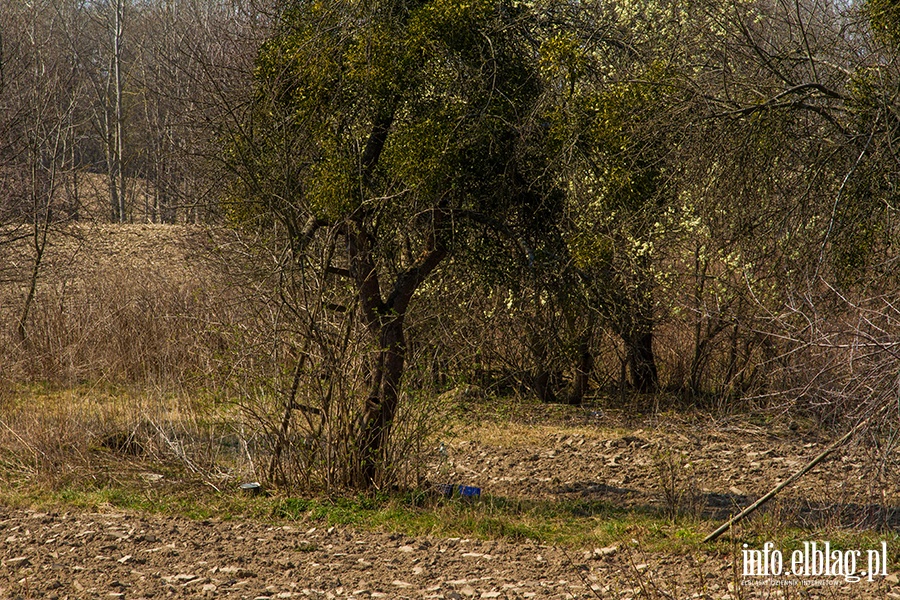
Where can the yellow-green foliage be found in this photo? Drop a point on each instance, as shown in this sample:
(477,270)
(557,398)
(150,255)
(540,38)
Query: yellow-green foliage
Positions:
(884,17)
(590,249)
(417,152)
(375,63)
(864,96)
(563,55)
(329,193)
(454,23)
(445,78)
(625,149)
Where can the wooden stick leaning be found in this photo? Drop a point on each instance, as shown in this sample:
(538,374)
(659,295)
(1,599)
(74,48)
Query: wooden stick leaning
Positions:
(752,508)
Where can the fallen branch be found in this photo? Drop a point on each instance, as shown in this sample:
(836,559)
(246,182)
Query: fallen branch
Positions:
(752,508)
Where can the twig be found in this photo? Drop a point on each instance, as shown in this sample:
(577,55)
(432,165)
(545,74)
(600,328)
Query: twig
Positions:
(578,572)
(290,405)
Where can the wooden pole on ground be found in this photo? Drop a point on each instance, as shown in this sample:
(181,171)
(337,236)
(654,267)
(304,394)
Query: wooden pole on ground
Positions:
(752,508)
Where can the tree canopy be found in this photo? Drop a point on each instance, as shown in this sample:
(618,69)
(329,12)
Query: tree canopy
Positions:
(405,128)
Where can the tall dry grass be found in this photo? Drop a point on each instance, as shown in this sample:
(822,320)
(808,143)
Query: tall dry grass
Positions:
(167,314)
(121,329)
(110,312)
(132,341)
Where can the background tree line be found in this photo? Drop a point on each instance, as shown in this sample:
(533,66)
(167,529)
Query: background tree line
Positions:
(105,104)
(556,198)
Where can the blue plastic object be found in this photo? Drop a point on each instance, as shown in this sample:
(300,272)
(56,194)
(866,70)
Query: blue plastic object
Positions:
(467,491)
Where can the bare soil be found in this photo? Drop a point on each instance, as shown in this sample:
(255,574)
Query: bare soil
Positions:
(686,462)
(113,554)
(116,555)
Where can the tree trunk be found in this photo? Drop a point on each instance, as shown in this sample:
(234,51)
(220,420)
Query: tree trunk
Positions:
(542,386)
(583,369)
(111,169)
(381,405)
(384,319)
(697,360)
(541,379)
(383,316)
(40,244)
(638,336)
(118,28)
(641,361)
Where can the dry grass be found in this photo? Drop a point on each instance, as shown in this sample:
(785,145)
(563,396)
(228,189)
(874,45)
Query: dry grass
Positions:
(53,439)
(173,312)
(521,435)
(131,304)
(130,326)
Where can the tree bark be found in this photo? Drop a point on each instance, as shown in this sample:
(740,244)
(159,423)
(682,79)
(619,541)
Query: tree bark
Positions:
(638,336)
(641,361)
(118,28)
(381,405)
(384,320)
(541,379)
(583,368)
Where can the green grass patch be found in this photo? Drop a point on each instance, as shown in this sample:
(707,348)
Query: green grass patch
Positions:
(568,523)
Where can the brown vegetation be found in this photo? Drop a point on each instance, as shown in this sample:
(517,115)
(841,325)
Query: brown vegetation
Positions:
(297,242)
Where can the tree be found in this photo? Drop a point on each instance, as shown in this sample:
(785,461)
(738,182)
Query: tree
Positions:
(614,127)
(789,178)
(394,127)
(38,99)
(97,40)
(187,60)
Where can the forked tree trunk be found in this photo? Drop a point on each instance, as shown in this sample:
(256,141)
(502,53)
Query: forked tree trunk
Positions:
(384,319)
(383,316)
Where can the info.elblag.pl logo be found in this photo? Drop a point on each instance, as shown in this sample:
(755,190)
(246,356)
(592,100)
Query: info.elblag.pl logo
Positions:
(816,560)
